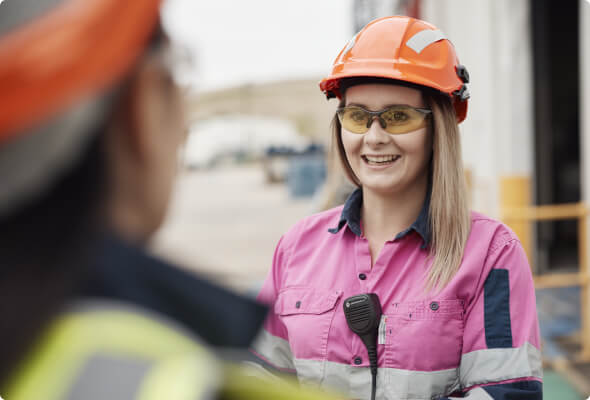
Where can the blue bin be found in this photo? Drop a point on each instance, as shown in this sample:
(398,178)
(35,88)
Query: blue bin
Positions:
(305,174)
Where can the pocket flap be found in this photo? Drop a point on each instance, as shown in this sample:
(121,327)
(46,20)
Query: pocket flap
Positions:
(305,301)
(432,309)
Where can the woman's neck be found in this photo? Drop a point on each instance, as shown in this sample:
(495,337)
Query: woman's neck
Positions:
(385,215)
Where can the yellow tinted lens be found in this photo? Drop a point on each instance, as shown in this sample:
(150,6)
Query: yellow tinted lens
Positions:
(354,119)
(403,119)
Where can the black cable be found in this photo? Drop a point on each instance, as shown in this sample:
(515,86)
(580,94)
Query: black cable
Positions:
(372,350)
(373,385)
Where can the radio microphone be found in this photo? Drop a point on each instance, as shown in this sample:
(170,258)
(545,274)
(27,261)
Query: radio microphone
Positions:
(363,315)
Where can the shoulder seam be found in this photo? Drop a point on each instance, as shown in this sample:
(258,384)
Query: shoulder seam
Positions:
(501,244)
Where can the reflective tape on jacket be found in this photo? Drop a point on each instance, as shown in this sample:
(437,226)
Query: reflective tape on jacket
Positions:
(392,383)
(274,351)
(501,364)
(97,343)
(476,368)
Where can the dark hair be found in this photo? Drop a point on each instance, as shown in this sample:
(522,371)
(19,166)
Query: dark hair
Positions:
(43,246)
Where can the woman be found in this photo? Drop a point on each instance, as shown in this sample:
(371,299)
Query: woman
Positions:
(455,287)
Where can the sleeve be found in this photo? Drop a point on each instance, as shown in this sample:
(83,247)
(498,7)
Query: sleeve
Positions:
(271,348)
(501,356)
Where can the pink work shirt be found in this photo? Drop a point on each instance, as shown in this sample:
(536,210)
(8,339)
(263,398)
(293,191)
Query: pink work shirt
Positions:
(480,330)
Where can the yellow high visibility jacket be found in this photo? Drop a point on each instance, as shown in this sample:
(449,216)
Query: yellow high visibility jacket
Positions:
(115,350)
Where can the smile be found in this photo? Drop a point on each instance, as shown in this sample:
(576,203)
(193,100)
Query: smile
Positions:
(381,160)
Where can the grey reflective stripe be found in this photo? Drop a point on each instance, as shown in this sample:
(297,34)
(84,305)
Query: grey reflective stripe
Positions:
(109,377)
(496,365)
(392,383)
(274,350)
(476,394)
(423,39)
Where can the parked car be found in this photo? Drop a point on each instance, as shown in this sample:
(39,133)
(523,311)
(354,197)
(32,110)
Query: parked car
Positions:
(238,138)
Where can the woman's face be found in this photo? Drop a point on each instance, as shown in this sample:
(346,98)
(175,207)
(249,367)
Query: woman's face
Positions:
(386,163)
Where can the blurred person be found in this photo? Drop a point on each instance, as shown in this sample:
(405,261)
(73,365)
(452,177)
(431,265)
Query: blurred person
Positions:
(90,124)
(452,300)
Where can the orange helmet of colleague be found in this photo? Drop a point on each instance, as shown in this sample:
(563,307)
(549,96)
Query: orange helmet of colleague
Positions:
(404,49)
(75,49)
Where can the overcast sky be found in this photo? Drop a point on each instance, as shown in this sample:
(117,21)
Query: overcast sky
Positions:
(237,42)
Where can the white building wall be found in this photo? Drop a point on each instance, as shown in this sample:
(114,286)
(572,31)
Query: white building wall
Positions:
(493,41)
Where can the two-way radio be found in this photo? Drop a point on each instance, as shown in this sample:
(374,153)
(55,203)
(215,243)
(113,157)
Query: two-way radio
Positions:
(363,315)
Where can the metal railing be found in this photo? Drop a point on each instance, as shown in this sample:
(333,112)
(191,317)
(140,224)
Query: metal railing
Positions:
(520,217)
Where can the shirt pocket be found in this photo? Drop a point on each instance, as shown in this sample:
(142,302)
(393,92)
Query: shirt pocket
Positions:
(307,314)
(424,335)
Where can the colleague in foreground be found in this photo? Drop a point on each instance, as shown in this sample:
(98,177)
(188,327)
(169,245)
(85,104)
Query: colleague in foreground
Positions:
(90,125)
(454,287)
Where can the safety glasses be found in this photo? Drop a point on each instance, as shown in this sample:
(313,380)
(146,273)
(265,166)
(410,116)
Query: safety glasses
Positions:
(396,120)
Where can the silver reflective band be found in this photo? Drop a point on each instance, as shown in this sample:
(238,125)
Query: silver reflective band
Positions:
(97,377)
(423,39)
(274,349)
(392,383)
(496,365)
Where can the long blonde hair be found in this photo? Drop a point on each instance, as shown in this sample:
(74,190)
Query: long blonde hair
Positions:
(450,222)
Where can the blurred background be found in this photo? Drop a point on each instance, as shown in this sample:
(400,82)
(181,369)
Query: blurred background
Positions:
(257,156)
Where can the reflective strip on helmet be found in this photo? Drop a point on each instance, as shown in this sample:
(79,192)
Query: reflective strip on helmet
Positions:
(500,364)
(350,44)
(423,39)
(392,383)
(274,351)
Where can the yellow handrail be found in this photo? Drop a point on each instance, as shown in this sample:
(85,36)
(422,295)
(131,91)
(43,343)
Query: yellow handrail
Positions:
(517,214)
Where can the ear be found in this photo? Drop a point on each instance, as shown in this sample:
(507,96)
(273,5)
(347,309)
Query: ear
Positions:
(146,111)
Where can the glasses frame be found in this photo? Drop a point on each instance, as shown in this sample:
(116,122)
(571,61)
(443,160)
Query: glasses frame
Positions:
(426,111)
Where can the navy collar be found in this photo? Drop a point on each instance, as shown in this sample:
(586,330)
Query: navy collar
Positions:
(351,216)
(121,271)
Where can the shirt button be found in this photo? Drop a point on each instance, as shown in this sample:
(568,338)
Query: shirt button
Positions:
(362,277)
(358,361)
(434,306)
(298,304)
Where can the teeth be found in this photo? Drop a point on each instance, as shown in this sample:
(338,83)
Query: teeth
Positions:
(381,159)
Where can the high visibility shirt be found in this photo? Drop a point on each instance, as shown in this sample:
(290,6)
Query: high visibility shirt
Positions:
(479,335)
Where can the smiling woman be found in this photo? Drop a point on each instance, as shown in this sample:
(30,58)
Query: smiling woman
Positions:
(454,287)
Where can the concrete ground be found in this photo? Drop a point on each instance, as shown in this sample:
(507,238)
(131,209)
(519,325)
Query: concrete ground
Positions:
(224,224)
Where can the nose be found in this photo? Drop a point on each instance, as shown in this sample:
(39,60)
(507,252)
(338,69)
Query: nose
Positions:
(376,134)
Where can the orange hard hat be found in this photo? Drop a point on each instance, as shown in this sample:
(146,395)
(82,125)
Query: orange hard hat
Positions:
(404,49)
(77,48)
